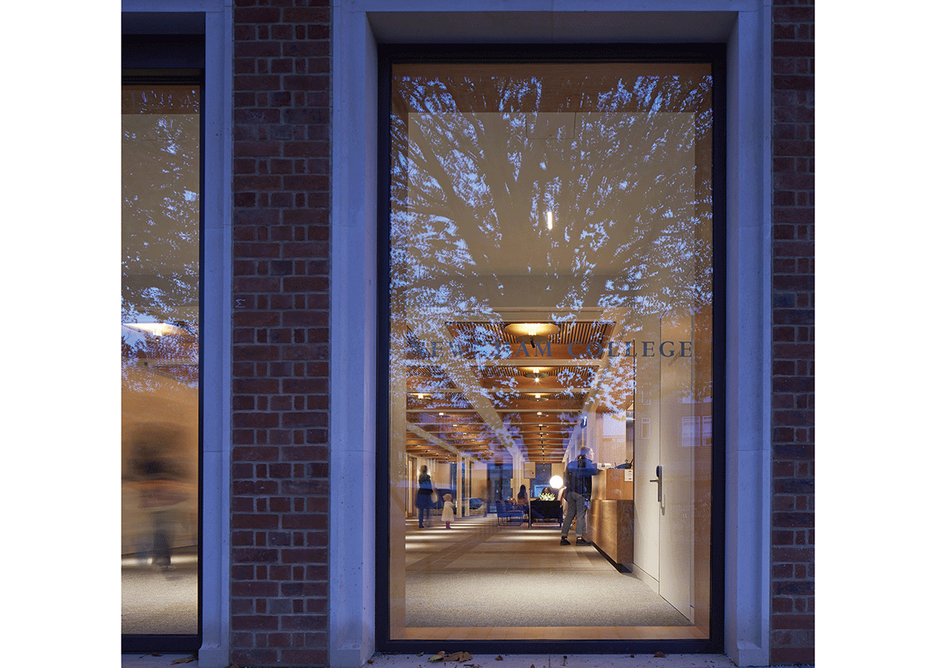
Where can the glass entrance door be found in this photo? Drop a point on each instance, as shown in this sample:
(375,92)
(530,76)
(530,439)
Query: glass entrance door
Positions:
(551,299)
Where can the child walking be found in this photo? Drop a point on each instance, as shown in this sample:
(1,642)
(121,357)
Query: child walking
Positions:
(448,511)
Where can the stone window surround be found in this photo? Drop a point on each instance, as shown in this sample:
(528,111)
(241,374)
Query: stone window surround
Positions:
(358,25)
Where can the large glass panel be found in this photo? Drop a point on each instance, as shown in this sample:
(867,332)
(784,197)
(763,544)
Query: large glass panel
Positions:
(159,351)
(551,296)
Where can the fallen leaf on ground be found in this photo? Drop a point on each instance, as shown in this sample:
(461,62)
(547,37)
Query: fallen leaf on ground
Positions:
(498,658)
(659,655)
(185,659)
(437,657)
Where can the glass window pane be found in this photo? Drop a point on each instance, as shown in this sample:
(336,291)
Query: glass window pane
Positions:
(550,336)
(159,352)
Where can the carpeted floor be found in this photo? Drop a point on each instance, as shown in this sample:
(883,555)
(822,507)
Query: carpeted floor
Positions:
(160,602)
(478,574)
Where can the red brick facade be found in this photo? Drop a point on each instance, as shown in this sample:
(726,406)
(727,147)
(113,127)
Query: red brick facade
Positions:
(281,263)
(793,339)
(280,482)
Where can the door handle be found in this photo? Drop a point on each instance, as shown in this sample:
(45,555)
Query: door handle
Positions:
(659,481)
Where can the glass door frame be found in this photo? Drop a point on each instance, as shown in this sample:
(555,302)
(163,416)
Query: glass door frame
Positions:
(715,54)
(177,59)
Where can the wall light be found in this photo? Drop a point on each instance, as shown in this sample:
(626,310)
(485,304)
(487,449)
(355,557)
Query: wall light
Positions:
(549,220)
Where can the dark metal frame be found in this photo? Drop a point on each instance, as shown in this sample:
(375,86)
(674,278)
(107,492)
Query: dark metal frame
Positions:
(477,53)
(176,59)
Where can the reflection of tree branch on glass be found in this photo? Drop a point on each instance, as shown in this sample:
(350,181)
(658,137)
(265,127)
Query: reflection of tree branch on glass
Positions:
(160,183)
(471,191)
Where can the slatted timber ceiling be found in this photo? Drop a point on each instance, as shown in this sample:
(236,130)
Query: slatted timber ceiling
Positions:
(538,410)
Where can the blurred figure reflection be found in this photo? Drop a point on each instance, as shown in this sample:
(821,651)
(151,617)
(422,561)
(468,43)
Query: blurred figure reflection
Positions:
(158,471)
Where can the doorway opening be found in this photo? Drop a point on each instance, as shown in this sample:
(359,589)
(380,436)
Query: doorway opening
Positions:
(552,347)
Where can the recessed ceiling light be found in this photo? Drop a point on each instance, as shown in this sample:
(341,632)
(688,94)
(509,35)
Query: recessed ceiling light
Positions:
(535,331)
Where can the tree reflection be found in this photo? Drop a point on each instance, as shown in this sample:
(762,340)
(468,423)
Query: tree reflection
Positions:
(160,185)
(623,165)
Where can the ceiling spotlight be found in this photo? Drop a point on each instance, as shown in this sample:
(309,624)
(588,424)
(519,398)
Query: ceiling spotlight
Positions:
(531,331)
(533,372)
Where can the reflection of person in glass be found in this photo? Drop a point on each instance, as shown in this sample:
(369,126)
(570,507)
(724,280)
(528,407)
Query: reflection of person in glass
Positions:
(577,494)
(160,479)
(424,495)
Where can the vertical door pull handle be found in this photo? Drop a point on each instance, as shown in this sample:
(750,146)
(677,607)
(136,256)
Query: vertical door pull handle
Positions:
(659,481)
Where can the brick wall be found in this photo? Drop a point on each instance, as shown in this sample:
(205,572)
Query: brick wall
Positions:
(279,513)
(793,437)
(281,266)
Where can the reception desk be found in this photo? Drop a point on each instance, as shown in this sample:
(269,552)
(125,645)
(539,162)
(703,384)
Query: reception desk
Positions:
(611,517)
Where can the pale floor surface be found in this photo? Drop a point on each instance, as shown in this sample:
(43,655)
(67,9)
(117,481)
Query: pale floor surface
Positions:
(157,601)
(574,559)
(478,548)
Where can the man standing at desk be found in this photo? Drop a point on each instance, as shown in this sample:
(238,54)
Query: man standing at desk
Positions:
(577,493)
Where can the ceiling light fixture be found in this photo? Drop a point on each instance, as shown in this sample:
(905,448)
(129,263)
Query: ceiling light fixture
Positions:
(531,331)
(155,328)
(533,372)
(549,220)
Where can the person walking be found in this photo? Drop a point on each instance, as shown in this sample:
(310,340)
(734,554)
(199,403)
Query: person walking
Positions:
(448,511)
(424,496)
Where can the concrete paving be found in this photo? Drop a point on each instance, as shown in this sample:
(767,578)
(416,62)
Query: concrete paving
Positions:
(490,661)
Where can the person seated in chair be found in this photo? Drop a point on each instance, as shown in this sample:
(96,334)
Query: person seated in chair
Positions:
(523,501)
